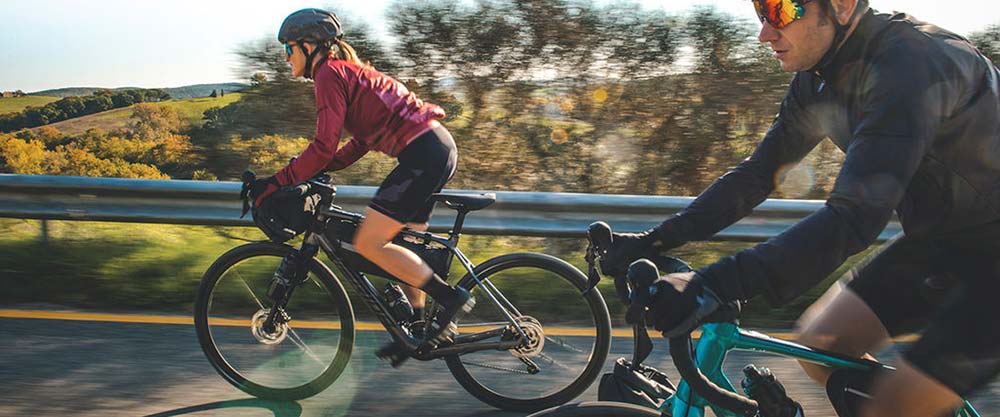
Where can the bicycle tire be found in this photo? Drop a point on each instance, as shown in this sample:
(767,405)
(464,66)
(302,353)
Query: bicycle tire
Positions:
(322,277)
(599,409)
(573,282)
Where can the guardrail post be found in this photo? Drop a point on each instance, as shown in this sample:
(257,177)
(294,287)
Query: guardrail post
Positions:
(45,232)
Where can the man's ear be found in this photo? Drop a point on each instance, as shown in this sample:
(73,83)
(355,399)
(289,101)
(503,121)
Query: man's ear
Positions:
(844,9)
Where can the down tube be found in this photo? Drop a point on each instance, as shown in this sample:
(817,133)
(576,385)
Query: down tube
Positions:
(713,345)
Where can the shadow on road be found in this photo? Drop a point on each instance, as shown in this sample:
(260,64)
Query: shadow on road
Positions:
(279,408)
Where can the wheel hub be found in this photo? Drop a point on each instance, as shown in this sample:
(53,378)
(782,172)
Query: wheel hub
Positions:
(533,346)
(263,336)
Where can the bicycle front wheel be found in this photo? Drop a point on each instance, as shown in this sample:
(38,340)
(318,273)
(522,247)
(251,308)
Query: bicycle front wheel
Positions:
(599,409)
(292,360)
(568,333)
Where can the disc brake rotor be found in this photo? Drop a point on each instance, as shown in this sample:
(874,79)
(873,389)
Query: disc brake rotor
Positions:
(262,336)
(536,338)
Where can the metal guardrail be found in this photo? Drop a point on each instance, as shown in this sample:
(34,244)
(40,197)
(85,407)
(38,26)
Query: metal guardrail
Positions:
(514,213)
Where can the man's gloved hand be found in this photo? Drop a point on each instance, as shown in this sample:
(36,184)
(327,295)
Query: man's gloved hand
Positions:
(674,304)
(761,385)
(263,187)
(628,247)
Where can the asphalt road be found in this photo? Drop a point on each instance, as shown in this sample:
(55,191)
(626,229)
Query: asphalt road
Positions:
(84,368)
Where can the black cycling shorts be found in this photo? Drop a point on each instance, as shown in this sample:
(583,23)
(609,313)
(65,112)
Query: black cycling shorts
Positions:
(947,288)
(425,165)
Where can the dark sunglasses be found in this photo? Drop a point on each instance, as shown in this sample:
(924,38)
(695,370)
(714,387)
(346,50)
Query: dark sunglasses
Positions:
(288,50)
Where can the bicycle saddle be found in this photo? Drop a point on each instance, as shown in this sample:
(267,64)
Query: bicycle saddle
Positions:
(465,202)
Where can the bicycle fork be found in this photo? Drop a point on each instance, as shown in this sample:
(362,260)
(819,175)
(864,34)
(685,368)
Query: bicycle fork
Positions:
(292,272)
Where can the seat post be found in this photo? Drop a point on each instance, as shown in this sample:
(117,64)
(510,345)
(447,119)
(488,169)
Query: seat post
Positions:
(456,230)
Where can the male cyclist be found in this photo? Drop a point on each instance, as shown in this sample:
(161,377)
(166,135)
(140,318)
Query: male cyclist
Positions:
(916,109)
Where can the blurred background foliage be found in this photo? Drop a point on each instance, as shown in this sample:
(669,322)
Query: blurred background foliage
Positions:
(541,95)
(550,95)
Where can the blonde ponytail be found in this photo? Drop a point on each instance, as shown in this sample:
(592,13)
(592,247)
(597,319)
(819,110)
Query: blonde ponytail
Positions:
(343,50)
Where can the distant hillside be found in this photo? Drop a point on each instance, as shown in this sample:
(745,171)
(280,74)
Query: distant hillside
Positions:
(72,91)
(16,104)
(202,90)
(189,91)
(189,110)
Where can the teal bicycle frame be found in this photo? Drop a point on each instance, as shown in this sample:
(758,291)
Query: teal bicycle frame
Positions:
(717,339)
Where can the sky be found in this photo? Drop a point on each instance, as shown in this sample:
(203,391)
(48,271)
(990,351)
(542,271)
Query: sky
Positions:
(170,43)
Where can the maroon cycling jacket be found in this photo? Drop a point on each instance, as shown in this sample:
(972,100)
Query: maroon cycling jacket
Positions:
(380,112)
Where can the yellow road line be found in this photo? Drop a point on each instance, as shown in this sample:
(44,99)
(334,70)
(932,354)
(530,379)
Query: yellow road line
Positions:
(306,324)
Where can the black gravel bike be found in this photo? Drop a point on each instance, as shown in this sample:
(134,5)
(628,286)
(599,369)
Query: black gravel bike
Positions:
(281,329)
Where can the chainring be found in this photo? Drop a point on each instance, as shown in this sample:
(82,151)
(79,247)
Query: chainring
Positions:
(536,338)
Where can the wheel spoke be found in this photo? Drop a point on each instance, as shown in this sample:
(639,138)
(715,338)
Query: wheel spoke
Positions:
(297,340)
(552,361)
(564,344)
(247,286)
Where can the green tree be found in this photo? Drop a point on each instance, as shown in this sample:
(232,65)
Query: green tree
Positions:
(152,122)
(988,42)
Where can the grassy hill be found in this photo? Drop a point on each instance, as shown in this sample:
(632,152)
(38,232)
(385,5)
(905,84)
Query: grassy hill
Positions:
(16,104)
(203,90)
(188,91)
(189,110)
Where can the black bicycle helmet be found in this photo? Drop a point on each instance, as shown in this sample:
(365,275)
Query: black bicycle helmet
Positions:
(310,25)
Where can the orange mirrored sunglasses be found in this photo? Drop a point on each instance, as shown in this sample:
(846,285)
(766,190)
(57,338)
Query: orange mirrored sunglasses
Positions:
(780,13)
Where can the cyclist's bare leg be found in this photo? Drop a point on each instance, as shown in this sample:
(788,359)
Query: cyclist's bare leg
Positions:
(910,392)
(417,297)
(374,241)
(840,321)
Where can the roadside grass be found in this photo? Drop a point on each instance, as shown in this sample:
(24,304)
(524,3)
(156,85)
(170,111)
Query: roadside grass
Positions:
(17,104)
(153,268)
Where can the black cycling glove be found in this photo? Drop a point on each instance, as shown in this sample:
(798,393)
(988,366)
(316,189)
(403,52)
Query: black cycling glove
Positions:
(629,247)
(674,304)
(262,187)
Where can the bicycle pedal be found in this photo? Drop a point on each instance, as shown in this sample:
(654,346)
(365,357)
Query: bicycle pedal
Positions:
(394,353)
(445,336)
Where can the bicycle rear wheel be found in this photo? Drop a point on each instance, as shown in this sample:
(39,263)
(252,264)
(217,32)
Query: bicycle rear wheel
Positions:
(296,359)
(569,334)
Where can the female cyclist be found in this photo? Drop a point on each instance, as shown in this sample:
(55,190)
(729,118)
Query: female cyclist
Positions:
(383,116)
